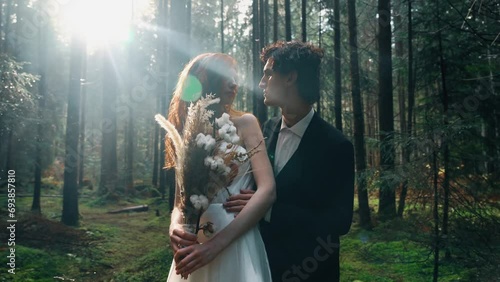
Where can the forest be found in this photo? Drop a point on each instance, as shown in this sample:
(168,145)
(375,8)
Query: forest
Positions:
(414,85)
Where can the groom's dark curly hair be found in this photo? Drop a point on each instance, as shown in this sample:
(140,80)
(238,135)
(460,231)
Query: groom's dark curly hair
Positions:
(302,57)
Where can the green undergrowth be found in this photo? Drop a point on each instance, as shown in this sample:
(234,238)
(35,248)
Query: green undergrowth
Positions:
(134,246)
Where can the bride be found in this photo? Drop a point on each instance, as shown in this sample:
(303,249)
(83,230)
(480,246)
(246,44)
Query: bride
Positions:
(235,252)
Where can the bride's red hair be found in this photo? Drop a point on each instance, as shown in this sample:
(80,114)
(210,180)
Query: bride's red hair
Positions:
(208,68)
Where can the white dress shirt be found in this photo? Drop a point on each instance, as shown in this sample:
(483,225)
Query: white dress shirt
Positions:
(287,143)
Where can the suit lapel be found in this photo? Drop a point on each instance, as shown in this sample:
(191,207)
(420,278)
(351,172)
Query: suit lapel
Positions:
(292,171)
(271,132)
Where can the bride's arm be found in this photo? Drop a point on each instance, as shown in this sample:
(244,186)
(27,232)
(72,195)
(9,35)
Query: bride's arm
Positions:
(196,256)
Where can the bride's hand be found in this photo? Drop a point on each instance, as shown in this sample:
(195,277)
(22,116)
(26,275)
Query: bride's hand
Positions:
(179,238)
(193,257)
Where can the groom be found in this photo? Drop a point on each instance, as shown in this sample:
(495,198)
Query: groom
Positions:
(313,166)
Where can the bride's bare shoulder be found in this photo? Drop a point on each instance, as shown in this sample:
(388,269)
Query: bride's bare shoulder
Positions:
(246,123)
(245,119)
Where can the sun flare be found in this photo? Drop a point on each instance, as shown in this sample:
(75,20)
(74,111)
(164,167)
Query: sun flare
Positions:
(101,21)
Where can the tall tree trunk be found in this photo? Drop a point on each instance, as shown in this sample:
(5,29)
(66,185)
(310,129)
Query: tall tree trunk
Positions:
(70,188)
(411,103)
(401,101)
(161,52)
(288,21)
(6,28)
(259,109)
(275,20)
(446,149)
(42,92)
(222,26)
(320,42)
(267,22)
(338,71)
(491,127)
(262,25)
(359,123)
(275,110)
(304,21)
(83,106)
(129,130)
(387,199)
(109,164)
(9,163)
(175,59)
(435,213)
(1,26)
(2,133)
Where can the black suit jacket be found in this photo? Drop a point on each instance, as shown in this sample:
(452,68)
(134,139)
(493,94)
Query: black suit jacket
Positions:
(314,205)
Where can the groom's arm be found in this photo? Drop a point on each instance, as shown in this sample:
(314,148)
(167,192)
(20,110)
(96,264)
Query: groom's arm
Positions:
(236,203)
(337,185)
(337,177)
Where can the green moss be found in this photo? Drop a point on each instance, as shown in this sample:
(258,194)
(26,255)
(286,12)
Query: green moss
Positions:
(150,267)
(39,265)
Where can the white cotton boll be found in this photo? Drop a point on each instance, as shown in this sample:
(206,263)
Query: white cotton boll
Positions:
(222,133)
(204,202)
(209,143)
(223,147)
(208,161)
(226,127)
(213,165)
(235,139)
(227,138)
(241,150)
(219,160)
(232,129)
(224,119)
(196,201)
(227,170)
(200,139)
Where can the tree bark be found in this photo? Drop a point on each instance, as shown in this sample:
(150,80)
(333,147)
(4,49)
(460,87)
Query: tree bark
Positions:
(70,214)
(8,12)
(83,106)
(275,20)
(288,21)
(359,124)
(446,149)
(338,71)
(435,214)
(387,199)
(259,109)
(222,26)
(109,163)
(42,92)
(176,58)
(160,53)
(411,102)
(130,129)
(304,21)
(401,101)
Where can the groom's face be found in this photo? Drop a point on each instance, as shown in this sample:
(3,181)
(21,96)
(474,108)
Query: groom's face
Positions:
(274,86)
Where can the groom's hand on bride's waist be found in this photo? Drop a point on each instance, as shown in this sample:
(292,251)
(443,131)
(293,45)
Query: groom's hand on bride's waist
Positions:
(180,238)
(236,203)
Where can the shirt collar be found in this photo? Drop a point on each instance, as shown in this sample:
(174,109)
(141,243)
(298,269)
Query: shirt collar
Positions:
(300,127)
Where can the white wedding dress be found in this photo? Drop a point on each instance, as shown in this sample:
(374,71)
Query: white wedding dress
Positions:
(245,260)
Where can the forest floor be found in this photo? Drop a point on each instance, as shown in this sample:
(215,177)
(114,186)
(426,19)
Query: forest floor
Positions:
(134,247)
(130,246)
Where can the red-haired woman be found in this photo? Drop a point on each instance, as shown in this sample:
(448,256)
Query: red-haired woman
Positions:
(236,251)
